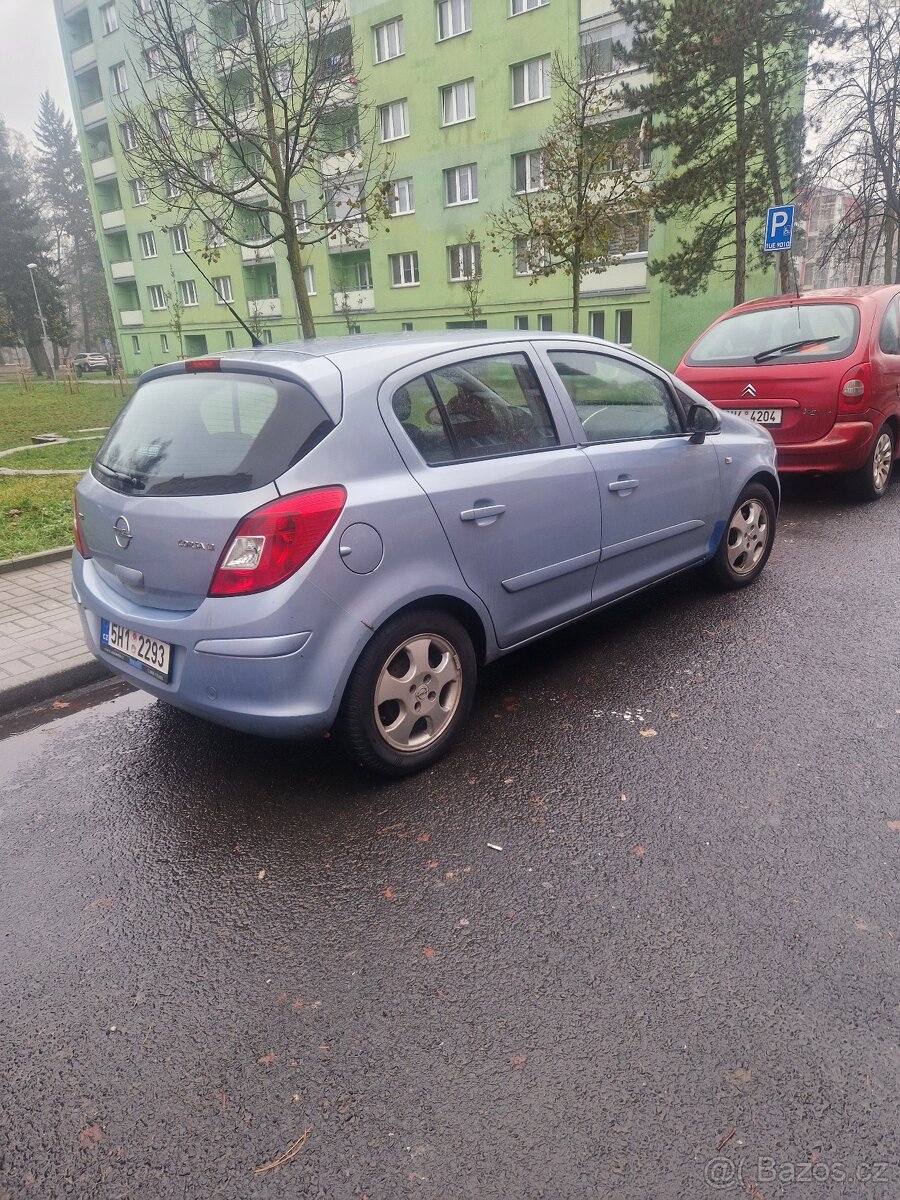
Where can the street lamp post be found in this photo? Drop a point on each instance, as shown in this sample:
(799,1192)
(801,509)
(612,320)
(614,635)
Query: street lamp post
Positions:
(45,341)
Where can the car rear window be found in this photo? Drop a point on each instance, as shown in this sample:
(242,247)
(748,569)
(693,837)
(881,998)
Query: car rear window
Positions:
(766,335)
(207,434)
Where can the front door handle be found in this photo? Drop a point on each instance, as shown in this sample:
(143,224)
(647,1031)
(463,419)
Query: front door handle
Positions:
(482,511)
(623,485)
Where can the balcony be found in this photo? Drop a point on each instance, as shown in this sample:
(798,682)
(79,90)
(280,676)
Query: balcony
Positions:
(93,114)
(342,94)
(346,163)
(113,220)
(256,254)
(235,57)
(627,275)
(103,168)
(327,14)
(130,318)
(268,306)
(358,300)
(349,237)
(122,271)
(84,57)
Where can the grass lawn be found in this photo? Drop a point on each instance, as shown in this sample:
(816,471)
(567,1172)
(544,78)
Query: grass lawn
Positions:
(36,510)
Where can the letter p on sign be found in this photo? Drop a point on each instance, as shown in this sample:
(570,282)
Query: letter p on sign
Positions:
(779,227)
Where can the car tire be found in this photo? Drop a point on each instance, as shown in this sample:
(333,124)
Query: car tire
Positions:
(747,540)
(870,482)
(423,666)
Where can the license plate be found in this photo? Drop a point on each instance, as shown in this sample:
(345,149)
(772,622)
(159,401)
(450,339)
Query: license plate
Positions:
(146,653)
(762,416)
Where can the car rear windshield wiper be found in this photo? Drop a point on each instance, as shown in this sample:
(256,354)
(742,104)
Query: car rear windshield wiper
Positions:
(790,347)
(136,483)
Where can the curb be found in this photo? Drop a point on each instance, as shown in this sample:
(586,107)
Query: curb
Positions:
(35,560)
(47,685)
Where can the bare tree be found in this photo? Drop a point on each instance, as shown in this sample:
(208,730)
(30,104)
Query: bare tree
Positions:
(585,195)
(176,313)
(247,116)
(473,279)
(857,108)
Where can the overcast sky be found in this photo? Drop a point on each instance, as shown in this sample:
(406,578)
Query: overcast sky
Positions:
(30,61)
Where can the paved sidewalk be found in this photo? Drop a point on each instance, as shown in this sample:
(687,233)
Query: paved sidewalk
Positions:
(42,651)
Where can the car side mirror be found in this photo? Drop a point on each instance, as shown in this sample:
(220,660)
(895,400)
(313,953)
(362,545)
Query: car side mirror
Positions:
(701,421)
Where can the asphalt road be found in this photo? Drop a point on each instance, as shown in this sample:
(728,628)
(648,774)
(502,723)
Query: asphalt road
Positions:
(215,948)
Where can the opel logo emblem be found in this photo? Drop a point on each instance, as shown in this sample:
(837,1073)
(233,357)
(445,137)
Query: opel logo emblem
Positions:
(123,533)
(749,390)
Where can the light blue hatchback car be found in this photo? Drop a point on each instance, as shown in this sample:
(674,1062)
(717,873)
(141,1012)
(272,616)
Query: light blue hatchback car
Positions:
(336,534)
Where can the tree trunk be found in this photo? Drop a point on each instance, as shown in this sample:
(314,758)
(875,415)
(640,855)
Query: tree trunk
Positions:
(304,311)
(39,361)
(576,291)
(888,247)
(740,185)
(82,299)
(771,153)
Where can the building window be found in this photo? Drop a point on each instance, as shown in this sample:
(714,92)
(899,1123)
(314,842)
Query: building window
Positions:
(127,138)
(363,274)
(597,323)
(266,336)
(632,237)
(207,170)
(153,59)
(135,343)
(271,283)
(157,297)
(520,322)
(214,236)
(531,81)
(401,198)
(404,269)
(138,192)
(198,115)
(301,220)
(275,11)
(147,242)
(393,120)
(164,342)
(461,184)
(180,239)
(229,339)
(530,255)
(545,322)
(173,191)
(354,329)
(187,290)
(522,6)
(309,280)
(119,79)
(351,136)
(388,40)
(406,326)
(109,18)
(623,326)
(222,288)
(190,45)
(458,102)
(465,261)
(528,173)
(283,79)
(598,53)
(453,18)
(161,123)
(143,6)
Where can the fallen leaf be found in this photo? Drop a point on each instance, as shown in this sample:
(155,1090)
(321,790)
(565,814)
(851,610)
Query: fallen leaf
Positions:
(648,733)
(423,837)
(298,1003)
(261,875)
(291,1152)
(60,704)
(388,894)
(102,902)
(428,952)
(895,825)
(90,1136)
(268,1059)
(431,866)
(640,851)
(726,1138)
(739,1075)
(518,1060)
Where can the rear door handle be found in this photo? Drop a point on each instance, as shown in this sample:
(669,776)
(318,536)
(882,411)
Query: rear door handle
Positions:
(623,485)
(482,511)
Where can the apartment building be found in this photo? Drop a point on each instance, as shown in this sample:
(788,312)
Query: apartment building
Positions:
(462,93)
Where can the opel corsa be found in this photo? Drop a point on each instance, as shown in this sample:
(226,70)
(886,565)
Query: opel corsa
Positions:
(337,534)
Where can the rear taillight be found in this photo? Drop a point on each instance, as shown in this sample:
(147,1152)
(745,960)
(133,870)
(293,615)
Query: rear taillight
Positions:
(854,389)
(77,531)
(276,540)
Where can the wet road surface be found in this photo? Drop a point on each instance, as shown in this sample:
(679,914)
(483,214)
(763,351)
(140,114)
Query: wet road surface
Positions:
(221,953)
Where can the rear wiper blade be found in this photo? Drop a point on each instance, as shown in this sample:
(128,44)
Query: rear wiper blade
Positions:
(135,482)
(790,347)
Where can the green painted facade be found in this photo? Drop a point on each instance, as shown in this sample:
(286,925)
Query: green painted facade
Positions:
(631,306)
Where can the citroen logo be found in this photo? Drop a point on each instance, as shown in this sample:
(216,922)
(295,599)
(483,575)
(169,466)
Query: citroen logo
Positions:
(750,391)
(123,533)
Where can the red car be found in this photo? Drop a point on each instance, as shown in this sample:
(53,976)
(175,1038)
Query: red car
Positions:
(821,372)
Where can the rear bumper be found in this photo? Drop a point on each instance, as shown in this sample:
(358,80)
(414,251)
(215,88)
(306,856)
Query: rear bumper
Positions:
(284,683)
(844,448)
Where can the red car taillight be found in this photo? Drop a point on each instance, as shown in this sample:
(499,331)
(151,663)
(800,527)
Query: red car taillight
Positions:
(854,389)
(77,531)
(273,542)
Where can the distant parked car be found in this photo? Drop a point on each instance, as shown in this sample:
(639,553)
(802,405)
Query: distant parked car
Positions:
(339,533)
(91,362)
(821,372)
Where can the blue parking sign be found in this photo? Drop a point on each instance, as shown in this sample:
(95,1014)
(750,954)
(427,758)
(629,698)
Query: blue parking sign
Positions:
(779,227)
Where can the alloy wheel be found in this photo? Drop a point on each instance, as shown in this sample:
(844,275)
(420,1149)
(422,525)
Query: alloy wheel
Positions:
(747,537)
(882,456)
(418,692)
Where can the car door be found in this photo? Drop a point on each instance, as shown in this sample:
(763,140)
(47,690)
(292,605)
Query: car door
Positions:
(659,489)
(517,500)
(887,360)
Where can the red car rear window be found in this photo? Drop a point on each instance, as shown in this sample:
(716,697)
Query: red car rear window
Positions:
(785,334)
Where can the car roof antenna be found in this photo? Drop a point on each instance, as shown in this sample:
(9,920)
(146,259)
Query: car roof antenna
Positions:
(254,340)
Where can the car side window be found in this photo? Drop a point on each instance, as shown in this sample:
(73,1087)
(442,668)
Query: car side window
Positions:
(615,400)
(889,341)
(476,408)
